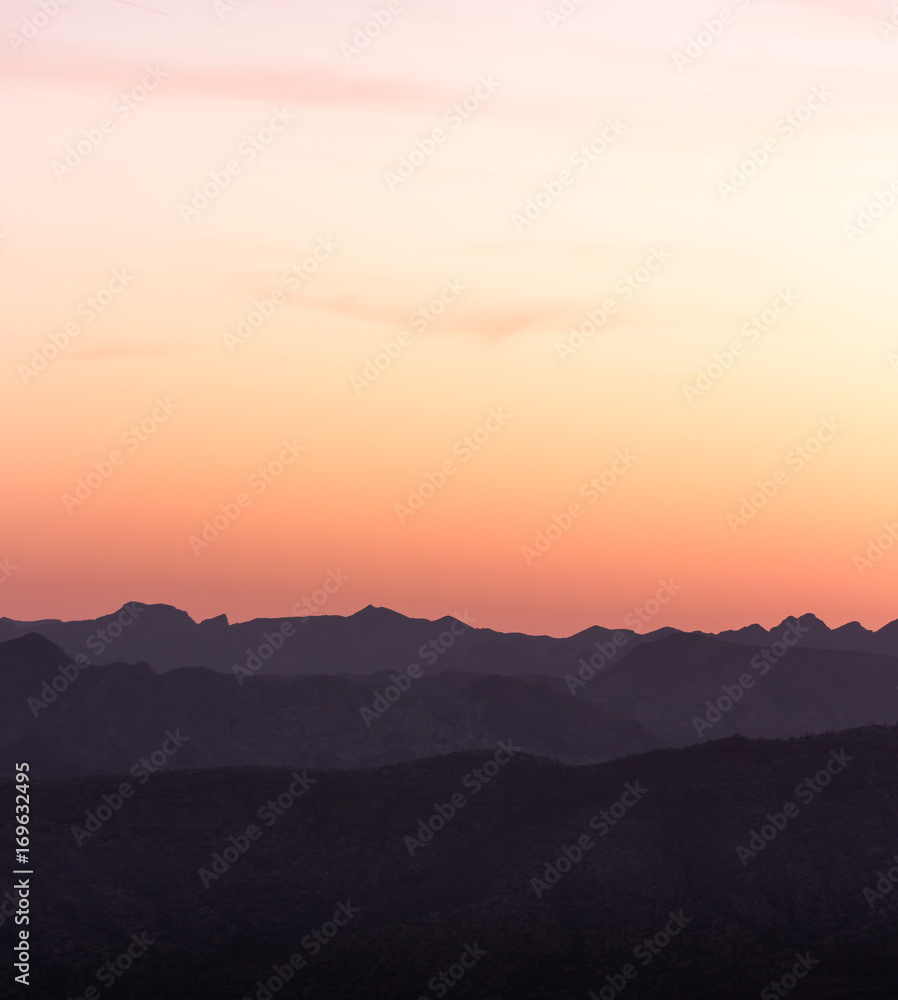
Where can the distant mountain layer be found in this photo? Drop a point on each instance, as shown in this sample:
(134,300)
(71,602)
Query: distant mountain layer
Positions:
(709,872)
(101,719)
(690,687)
(378,639)
(69,719)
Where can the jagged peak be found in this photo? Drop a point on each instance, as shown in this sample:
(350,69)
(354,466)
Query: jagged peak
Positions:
(373,613)
(167,613)
(215,621)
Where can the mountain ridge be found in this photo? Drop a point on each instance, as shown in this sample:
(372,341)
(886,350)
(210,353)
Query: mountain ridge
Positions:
(375,638)
(75,718)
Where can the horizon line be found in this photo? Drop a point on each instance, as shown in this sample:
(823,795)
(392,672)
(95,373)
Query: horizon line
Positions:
(462,617)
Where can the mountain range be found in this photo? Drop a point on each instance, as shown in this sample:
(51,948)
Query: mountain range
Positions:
(387,807)
(564,700)
(380,639)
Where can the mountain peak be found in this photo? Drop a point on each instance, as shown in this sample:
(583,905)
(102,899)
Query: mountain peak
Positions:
(854,629)
(215,621)
(372,613)
(32,647)
(806,620)
(160,614)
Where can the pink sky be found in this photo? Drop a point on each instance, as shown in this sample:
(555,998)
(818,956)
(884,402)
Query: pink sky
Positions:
(215,83)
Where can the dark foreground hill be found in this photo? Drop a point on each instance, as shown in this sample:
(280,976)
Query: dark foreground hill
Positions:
(511,878)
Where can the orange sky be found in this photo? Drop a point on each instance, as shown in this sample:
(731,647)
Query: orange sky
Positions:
(460,271)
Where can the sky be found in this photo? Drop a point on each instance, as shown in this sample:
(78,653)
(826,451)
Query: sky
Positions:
(523,310)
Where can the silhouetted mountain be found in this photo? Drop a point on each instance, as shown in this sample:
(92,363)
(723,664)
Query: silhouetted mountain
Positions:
(30,653)
(851,637)
(370,640)
(71,720)
(706,873)
(380,639)
(758,692)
